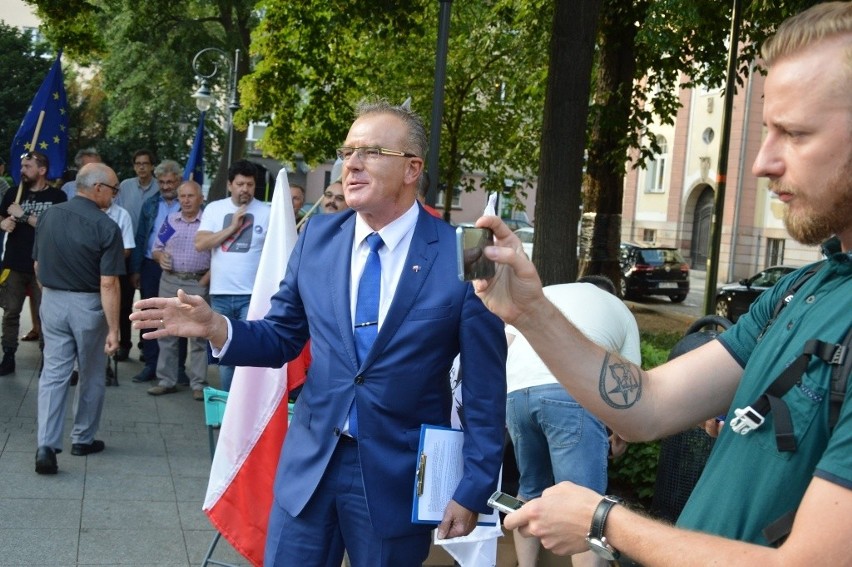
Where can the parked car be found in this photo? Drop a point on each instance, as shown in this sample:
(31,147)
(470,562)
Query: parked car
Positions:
(734,299)
(525,234)
(653,270)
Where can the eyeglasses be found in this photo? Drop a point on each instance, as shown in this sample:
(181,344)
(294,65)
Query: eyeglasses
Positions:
(330,195)
(141,163)
(369,153)
(115,189)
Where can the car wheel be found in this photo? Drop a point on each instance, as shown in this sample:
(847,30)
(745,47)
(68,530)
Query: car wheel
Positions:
(723,309)
(624,293)
(678,298)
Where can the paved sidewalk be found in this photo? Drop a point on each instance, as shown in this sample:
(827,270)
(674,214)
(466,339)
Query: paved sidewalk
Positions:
(137,503)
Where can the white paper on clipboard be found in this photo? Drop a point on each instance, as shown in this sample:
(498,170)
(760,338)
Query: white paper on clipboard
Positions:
(439,469)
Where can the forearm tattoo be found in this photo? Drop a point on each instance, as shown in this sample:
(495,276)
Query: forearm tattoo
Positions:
(620,383)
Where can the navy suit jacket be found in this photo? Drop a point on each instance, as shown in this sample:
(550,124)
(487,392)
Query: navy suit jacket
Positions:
(404,381)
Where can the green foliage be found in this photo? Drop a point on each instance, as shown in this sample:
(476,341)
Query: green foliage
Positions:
(655,347)
(634,473)
(307,79)
(141,91)
(23,67)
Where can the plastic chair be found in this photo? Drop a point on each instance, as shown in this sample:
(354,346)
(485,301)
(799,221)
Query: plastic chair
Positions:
(214,411)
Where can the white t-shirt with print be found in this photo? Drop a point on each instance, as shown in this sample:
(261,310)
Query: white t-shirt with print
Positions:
(233,264)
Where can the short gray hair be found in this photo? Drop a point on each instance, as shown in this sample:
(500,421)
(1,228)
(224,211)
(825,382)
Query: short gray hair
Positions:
(90,152)
(168,166)
(417,140)
(91,176)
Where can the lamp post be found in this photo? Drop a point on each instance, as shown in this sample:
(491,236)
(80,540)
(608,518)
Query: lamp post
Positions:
(204,97)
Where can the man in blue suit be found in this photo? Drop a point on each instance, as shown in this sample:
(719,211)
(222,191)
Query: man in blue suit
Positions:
(338,488)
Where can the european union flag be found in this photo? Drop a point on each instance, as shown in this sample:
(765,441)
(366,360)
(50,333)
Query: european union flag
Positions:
(195,164)
(53,136)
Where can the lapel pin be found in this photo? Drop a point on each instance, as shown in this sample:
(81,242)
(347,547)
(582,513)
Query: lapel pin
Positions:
(416,268)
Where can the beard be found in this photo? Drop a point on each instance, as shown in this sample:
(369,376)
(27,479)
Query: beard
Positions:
(812,223)
(27,181)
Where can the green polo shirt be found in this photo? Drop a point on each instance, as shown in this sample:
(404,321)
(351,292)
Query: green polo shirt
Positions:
(748,483)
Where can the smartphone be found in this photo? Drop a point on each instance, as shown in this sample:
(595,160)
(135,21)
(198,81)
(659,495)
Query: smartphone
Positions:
(471,242)
(504,503)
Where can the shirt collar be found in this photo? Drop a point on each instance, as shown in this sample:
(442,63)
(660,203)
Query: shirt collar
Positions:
(391,234)
(179,217)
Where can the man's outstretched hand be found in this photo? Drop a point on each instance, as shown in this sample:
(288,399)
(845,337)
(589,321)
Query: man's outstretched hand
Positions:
(181,316)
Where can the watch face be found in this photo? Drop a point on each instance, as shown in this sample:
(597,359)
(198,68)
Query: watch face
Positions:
(602,549)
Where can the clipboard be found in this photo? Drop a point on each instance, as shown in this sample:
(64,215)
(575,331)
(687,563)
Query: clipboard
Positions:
(439,468)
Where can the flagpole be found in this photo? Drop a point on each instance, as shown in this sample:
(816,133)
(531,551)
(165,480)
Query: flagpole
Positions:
(32,145)
(309,213)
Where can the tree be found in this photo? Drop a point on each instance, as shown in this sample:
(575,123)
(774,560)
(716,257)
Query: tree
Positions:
(648,49)
(562,139)
(145,56)
(307,80)
(23,67)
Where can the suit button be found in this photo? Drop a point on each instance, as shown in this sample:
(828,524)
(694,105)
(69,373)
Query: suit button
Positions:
(337,432)
(359,380)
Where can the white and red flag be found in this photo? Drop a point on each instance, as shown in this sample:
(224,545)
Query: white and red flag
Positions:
(239,493)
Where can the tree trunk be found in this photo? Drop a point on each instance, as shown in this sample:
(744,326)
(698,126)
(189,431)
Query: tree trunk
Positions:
(566,106)
(607,150)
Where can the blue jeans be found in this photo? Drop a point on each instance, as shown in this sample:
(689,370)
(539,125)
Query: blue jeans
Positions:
(233,307)
(555,440)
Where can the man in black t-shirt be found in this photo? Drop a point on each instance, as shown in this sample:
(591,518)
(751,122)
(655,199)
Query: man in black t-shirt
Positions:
(79,270)
(19,218)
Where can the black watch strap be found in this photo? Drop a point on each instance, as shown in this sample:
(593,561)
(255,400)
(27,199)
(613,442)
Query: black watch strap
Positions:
(596,531)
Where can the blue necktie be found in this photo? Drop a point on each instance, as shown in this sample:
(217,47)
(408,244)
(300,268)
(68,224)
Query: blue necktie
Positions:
(367,312)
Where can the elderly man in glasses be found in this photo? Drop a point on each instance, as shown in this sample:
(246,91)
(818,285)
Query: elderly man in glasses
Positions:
(20,216)
(79,270)
(377,289)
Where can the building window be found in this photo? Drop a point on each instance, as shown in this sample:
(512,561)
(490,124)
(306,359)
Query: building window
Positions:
(655,168)
(774,251)
(649,235)
(456,196)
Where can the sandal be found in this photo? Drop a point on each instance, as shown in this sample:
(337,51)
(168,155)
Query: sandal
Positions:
(33,335)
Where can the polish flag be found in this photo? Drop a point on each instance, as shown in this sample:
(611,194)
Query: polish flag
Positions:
(239,493)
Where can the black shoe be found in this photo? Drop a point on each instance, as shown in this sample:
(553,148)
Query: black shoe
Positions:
(7,366)
(46,461)
(75,377)
(145,376)
(83,449)
(122,354)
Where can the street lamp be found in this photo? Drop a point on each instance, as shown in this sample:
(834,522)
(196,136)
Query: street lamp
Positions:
(204,97)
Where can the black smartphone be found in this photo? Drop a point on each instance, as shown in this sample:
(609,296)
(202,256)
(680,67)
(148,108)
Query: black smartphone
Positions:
(471,242)
(504,503)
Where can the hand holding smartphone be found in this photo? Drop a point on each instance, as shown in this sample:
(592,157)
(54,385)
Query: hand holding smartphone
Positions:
(504,503)
(471,242)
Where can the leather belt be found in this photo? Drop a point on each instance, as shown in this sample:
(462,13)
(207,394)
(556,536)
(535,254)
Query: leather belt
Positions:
(188,275)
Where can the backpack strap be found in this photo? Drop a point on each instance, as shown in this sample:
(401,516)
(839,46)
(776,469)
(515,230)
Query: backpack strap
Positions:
(752,417)
(787,297)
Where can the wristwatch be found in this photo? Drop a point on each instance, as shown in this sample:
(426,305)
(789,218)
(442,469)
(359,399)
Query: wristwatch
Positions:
(596,540)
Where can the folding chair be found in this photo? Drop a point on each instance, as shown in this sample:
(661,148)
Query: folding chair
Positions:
(214,411)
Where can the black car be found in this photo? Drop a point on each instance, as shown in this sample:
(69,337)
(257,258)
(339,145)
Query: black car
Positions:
(734,299)
(653,270)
